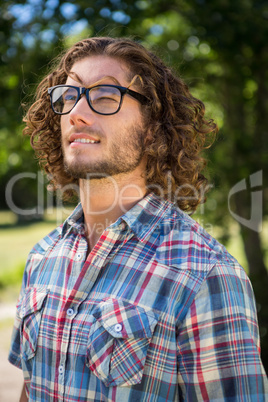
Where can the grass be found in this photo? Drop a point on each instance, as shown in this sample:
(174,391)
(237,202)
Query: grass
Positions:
(16,242)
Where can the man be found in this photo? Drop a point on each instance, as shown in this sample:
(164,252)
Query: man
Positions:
(129,299)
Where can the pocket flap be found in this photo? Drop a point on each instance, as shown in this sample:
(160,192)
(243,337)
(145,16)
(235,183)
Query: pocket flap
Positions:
(125,320)
(33,300)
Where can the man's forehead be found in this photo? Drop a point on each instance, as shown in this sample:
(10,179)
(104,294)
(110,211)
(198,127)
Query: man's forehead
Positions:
(104,80)
(93,70)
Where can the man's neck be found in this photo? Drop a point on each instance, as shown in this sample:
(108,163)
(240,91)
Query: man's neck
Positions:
(105,200)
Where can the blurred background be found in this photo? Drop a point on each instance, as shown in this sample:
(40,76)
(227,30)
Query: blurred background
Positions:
(219,47)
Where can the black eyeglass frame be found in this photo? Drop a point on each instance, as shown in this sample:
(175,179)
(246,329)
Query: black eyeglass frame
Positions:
(85,91)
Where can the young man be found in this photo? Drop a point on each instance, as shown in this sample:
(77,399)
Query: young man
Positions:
(130,299)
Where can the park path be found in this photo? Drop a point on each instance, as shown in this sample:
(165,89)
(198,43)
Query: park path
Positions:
(10,376)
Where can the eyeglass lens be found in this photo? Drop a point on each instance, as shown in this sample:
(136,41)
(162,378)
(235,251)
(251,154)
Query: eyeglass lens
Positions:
(102,99)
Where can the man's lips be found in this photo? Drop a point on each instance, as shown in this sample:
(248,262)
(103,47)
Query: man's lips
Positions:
(83,138)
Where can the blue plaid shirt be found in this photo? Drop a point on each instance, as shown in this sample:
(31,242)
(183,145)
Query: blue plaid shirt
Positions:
(158,311)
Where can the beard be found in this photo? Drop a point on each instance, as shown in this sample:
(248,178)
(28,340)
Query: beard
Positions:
(124,157)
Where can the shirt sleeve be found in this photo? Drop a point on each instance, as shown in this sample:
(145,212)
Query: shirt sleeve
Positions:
(218,342)
(14,352)
(14,356)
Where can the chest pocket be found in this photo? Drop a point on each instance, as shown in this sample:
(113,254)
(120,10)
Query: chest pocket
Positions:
(30,312)
(118,342)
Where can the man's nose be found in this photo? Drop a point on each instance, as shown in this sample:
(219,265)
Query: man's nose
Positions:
(82,113)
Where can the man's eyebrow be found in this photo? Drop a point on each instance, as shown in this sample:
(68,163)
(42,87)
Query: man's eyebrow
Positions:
(100,81)
(107,77)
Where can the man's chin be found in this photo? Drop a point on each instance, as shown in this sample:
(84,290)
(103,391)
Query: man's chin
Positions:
(78,173)
(88,172)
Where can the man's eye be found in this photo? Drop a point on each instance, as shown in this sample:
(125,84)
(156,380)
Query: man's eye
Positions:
(69,98)
(103,99)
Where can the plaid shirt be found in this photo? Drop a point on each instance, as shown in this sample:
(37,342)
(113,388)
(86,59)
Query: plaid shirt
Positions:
(158,311)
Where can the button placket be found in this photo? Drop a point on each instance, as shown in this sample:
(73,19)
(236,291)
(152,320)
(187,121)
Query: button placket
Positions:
(78,256)
(61,378)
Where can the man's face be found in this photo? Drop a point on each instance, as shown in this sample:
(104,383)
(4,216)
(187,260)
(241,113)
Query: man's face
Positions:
(95,144)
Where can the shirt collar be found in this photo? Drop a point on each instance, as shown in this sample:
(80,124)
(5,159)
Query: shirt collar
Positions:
(144,217)
(75,220)
(141,219)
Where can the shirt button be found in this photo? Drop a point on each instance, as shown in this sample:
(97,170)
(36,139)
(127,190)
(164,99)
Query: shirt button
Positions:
(23,311)
(118,327)
(70,312)
(61,369)
(78,256)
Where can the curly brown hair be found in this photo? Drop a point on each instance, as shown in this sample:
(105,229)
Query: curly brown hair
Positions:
(176,119)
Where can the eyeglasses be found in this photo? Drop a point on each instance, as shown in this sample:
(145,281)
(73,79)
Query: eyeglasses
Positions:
(102,99)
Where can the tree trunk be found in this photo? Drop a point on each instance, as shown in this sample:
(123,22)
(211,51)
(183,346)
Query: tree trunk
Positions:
(254,253)
(258,275)
(251,237)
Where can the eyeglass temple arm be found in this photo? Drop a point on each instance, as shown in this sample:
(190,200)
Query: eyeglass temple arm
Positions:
(141,98)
